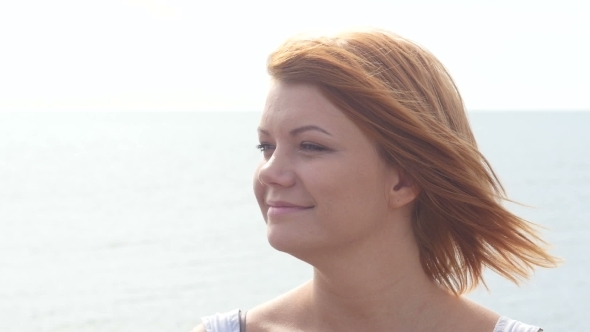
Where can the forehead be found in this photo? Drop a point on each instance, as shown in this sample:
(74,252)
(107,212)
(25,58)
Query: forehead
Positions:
(288,102)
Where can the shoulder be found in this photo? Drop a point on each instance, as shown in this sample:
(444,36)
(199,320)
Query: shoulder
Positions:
(266,317)
(470,316)
(276,314)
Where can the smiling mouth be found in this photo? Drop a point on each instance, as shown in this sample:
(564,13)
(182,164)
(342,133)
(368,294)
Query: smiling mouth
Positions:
(279,210)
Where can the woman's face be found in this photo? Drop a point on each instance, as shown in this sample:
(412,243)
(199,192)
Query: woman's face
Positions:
(321,184)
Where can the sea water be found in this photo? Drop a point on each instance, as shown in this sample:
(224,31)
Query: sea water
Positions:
(147,221)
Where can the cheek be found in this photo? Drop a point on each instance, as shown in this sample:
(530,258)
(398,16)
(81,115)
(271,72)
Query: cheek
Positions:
(355,196)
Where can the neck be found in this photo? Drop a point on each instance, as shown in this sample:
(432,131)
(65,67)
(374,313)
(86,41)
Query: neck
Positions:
(378,285)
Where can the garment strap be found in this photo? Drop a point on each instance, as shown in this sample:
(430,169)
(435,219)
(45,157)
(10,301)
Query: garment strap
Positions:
(243,321)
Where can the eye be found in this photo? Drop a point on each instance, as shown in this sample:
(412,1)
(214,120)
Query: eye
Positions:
(311,147)
(264,147)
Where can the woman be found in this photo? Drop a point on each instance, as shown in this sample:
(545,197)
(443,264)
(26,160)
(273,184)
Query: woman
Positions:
(371,174)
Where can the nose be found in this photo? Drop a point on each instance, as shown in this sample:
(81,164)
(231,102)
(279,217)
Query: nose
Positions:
(276,171)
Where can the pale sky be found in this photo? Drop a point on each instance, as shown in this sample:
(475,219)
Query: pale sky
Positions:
(196,56)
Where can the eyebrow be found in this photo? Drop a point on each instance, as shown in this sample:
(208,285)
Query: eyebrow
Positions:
(298,130)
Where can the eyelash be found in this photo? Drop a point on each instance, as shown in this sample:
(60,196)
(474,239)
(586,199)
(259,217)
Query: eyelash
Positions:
(303,146)
(263,147)
(312,147)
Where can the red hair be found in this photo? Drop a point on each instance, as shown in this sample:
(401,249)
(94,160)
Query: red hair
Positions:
(403,98)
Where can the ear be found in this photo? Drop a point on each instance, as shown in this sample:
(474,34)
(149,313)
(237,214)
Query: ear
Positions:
(403,189)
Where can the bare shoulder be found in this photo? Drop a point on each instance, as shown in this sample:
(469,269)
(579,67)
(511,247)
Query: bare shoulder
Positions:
(199,328)
(277,313)
(477,317)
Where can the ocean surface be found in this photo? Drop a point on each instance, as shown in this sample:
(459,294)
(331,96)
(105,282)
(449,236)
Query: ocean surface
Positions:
(146,221)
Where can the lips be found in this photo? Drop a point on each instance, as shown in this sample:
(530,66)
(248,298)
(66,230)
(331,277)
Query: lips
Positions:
(280,208)
(283,204)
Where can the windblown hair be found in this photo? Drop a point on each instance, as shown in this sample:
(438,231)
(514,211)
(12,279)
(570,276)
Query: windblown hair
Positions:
(403,98)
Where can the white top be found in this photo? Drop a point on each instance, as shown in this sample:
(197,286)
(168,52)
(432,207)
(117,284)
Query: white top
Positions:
(230,322)
(506,324)
(223,322)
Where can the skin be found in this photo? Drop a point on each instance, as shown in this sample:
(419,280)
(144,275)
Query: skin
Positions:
(329,199)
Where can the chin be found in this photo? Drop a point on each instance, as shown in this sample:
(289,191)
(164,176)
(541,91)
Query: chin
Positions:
(292,242)
(300,244)
(281,239)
